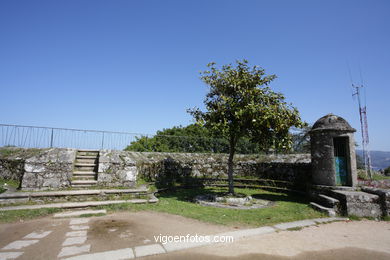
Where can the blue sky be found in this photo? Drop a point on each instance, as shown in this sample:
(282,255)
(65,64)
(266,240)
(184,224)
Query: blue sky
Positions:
(134,65)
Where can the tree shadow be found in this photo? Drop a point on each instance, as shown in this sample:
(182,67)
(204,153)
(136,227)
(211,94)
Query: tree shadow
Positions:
(187,194)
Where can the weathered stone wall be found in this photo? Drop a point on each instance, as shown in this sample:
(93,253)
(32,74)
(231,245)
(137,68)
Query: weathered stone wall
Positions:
(116,169)
(384,195)
(11,169)
(181,167)
(50,169)
(323,162)
(53,168)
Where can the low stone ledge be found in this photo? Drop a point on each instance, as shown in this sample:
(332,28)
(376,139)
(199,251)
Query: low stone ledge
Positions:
(77,204)
(68,193)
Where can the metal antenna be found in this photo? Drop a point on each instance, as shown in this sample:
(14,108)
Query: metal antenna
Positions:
(364,129)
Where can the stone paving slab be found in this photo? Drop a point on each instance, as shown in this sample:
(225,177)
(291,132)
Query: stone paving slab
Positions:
(326,220)
(126,253)
(249,232)
(154,249)
(74,250)
(176,246)
(78,227)
(79,213)
(295,224)
(19,244)
(78,204)
(10,255)
(78,221)
(81,233)
(70,241)
(37,235)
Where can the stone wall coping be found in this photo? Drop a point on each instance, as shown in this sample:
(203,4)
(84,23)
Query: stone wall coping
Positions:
(356,194)
(68,193)
(378,191)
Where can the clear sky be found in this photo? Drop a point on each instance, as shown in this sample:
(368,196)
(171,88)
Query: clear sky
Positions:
(134,65)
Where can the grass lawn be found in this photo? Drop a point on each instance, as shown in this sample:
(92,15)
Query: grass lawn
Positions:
(25,214)
(9,183)
(287,207)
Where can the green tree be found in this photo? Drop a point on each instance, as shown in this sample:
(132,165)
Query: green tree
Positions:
(190,139)
(240,104)
(301,140)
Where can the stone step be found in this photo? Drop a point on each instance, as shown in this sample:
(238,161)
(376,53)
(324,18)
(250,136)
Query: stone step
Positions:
(359,203)
(86,156)
(328,201)
(80,204)
(79,183)
(84,178)
(79,213)
(84,169)
(330,211)
(87,161)
(83,173)
(85,164)
(88,153)
(21,194)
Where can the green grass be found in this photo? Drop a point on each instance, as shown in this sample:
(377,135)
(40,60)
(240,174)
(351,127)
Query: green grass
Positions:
(379,177)
(287,207)
(91,215)
(375,176)
(10,183)
(25,214)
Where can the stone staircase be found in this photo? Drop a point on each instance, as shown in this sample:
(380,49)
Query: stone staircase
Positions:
(345,201)
(85,169)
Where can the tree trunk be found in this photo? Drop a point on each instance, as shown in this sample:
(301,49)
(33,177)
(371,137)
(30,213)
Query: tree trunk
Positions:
(230,165)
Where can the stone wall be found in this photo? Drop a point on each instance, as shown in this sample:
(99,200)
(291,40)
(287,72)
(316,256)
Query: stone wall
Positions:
(116,169)
(53,168)
(50,169)
(164,168)
(384,195)
(11,169)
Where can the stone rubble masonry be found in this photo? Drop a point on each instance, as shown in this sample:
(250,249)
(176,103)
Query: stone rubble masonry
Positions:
(53,168)
(384,195)
(116,168)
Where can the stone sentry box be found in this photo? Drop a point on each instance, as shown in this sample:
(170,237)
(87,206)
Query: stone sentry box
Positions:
(333,152)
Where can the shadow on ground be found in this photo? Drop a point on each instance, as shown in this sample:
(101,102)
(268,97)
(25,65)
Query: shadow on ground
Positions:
(188,194)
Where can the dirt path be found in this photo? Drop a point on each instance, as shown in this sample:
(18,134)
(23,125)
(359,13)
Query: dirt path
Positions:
(111,232)
(339,240)
(53,238)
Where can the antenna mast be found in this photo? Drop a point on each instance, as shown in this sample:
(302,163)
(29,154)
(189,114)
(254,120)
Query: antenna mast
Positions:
(364,129)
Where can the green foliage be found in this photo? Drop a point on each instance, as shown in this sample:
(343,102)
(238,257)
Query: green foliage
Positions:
(301,140)
(359,162)
(375,176)
(4,184)
(193,138)
(387,170)
(241,103)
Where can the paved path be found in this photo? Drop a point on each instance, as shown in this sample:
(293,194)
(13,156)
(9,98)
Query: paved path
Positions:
(134,235)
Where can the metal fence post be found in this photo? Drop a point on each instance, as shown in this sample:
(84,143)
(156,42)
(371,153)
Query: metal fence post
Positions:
(51,138)
(102,140)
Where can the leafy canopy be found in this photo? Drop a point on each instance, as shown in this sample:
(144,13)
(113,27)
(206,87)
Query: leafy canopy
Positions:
(241,103)
(190,139)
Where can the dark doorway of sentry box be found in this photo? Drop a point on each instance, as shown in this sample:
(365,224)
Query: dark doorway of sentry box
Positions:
(340,145)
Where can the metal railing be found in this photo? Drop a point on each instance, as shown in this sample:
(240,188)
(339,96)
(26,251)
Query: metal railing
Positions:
(48,137)
(45,137)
